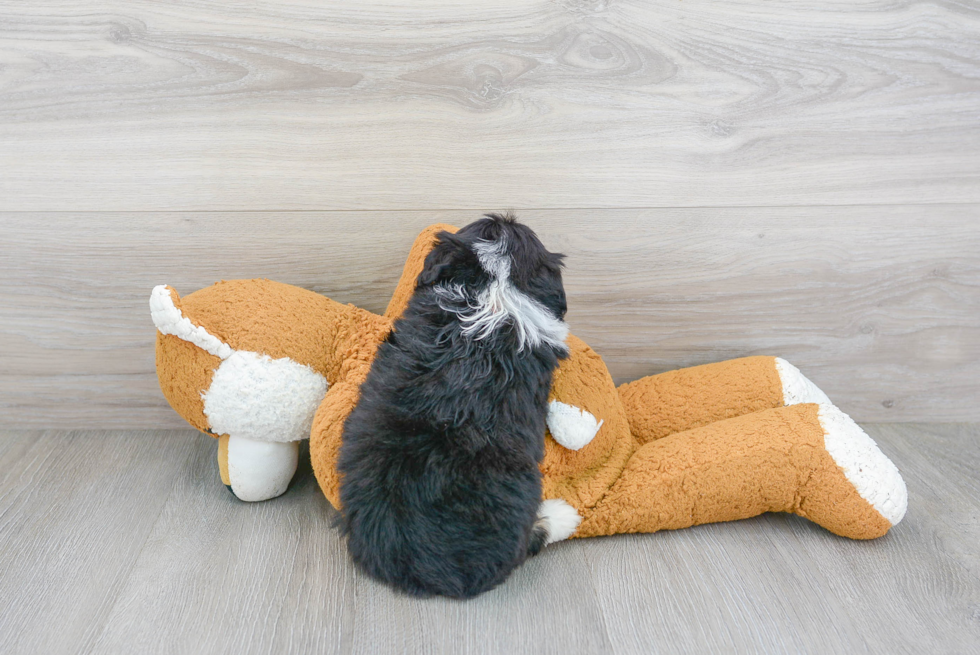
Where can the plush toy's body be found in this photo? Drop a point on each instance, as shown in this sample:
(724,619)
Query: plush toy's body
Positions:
(263,364)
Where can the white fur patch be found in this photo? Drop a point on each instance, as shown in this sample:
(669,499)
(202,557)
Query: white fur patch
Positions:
(170,320)
(873,475)
(559,518)
(257,397)
(796,387)
(260,470)
(492,257)
(501,302)
(570,426)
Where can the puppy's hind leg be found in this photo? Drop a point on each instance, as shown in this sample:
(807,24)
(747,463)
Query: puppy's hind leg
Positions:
(557,520)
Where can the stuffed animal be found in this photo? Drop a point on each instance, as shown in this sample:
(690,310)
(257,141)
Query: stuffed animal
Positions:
(262,365)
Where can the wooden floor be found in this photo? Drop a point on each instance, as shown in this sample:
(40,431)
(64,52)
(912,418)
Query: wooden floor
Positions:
(125,542)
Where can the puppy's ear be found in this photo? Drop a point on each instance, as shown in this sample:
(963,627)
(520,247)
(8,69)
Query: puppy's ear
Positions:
(449,250)
(556,260)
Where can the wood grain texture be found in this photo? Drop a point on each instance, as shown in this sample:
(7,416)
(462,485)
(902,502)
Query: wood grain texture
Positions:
(127,542)
(778,583)
(305,104)
(75,511)
(880,306)
(220,575)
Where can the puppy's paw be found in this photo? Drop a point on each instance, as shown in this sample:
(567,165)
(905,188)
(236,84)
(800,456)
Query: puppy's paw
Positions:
(559,518)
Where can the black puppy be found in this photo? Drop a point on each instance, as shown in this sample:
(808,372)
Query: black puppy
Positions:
(441,490)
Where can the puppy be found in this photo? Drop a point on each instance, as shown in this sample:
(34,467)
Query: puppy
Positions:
(441,488)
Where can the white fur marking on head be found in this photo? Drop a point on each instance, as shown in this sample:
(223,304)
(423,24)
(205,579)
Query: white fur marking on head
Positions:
(501,302)
(492,257)
(170,320)
(570,426)
(873,475)
(559,518)
(257,397)
(797,388)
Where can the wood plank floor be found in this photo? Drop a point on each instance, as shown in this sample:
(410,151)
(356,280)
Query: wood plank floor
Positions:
(125,542)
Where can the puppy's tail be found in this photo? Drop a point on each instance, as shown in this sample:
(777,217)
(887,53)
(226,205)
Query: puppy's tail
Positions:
(557,520)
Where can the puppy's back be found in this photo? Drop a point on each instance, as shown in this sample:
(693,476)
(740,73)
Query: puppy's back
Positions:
(425,526)
(440,484)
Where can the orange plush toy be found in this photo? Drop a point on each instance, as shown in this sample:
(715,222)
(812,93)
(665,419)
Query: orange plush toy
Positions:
(263,365)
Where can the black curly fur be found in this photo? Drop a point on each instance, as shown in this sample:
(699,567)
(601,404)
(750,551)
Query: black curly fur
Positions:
(440,481)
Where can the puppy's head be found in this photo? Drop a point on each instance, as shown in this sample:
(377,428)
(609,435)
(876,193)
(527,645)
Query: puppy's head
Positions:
(506,275)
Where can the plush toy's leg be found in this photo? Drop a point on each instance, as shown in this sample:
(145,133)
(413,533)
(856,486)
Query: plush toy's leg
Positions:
(808,459)
(256,470)
(687,398)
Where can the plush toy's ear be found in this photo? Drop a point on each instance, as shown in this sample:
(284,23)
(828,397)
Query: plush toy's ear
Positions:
(449,252)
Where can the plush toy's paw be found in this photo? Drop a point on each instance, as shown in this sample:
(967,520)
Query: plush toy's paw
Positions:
(257,470)
(570,426)
(796,387)
(864,496)
(874,476)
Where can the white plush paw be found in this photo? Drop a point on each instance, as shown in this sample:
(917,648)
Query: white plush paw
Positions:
(260,470)
(570,426)
(560,517)
(873,475)
(796,387)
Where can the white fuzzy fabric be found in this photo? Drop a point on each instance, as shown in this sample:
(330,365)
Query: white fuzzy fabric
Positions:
(170,320)
(560,518)
(873,475)
(260,470)
(257,397)
(501,301)
(796,387)
(570,426)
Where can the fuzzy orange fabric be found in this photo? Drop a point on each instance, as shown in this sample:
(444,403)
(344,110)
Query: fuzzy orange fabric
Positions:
(223,460)
(621,483)
(675,401)
(271,318)
(413,266)
(770,461)
(704,444)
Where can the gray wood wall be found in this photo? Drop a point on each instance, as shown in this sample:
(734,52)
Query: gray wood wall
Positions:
(727,179)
